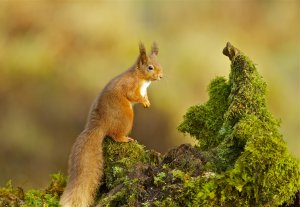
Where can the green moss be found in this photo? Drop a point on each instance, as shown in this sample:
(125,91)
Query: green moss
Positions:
(159,179)
(167,202)
(124,162)
(204,121)
(265,170)
(57,184)
(9,196)
(120,159)
(15,197)
(248,152)
(186,159)
(149,180)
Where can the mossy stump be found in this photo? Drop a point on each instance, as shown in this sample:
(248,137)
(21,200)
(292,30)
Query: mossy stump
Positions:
(242,142)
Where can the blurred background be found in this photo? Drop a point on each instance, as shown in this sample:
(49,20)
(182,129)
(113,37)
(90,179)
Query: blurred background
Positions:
(56,56)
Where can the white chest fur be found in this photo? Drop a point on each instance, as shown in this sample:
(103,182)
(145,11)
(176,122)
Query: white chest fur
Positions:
(143,89)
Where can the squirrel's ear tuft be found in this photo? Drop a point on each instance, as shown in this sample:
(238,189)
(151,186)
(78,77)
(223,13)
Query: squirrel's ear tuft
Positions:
(142,48)
(154,49)
(143,55)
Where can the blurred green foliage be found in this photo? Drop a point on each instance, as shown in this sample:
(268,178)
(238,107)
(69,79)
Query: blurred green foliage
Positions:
(55,56)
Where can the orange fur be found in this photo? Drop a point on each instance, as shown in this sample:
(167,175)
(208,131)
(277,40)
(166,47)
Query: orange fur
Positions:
(111,115)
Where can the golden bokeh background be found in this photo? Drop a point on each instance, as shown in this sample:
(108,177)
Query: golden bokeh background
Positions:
(56,56)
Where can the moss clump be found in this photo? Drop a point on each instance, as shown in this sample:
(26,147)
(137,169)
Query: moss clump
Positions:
(9,196)
(15,197)
(151,179)
(124,166)
(215,124)
(186,159)
(204,121)
(242,143)
(168,181)
(121,159)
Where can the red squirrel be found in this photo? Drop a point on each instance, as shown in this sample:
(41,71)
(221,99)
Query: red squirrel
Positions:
(110,115)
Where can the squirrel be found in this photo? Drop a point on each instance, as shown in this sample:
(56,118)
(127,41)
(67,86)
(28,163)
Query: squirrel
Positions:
(110,115)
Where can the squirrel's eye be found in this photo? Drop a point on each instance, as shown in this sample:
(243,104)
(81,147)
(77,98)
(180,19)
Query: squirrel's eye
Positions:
(150,67)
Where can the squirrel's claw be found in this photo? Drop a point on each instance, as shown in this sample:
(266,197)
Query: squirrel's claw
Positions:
(146,104)
(130,139)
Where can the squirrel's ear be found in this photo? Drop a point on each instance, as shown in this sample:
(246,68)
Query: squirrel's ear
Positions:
(143,55)
(154,49)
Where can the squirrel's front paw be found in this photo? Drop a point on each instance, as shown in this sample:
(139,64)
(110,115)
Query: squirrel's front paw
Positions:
(146,103)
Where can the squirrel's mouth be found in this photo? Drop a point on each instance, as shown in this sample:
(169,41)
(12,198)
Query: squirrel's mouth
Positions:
(158,77)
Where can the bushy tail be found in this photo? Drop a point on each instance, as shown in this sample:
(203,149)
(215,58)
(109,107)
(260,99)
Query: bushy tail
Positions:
(85,170)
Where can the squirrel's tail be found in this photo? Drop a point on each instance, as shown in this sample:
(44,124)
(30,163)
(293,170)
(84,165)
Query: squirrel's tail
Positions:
(85,170)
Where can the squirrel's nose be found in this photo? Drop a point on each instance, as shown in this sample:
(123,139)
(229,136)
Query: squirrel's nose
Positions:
(160,76)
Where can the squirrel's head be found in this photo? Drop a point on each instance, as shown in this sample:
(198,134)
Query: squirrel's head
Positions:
(147,65)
